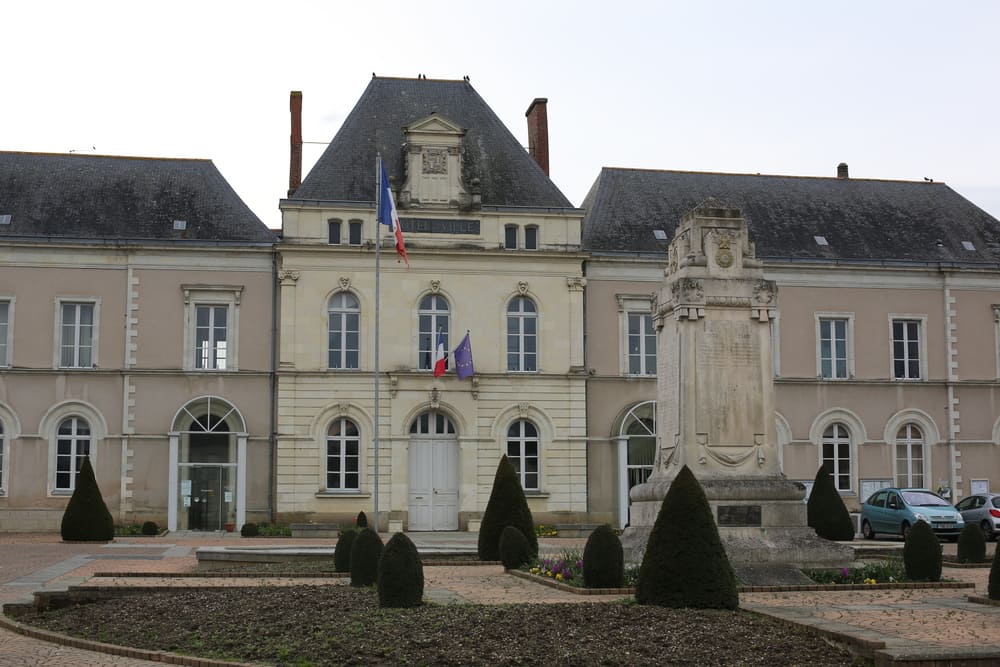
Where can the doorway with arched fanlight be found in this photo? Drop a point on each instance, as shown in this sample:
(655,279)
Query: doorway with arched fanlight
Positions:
(433,473)
(636,437)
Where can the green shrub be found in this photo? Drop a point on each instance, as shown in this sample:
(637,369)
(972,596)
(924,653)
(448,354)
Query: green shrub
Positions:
(342,552)
(603,559)
(365,552)
(685,564)
(993,589)
(265,529)
(86,516)
(400,574)
(513,548)
(922,554)
(249,530)
(826,512)
(361,522)
(971,545)
(507,506)
(150,528)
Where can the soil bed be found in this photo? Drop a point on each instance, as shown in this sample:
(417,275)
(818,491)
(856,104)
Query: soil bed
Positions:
(341,625)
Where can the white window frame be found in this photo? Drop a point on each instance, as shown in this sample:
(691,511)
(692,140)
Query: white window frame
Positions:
(95,334)
(632,304)
(521,316)
(75,454)
(921,321)
(342,313)
(50,430)
(7,333)
(910,443)
(440,317)
(996,338)
(343,440)
(849,342)
(837,440)
(521,458)
(211,295)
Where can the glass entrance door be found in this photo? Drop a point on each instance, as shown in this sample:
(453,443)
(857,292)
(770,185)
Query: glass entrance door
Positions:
(206,509)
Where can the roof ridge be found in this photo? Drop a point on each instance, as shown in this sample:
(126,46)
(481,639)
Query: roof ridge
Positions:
(104,155)
(799,176)
(407,78)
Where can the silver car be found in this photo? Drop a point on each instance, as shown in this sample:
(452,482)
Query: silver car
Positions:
(983,510)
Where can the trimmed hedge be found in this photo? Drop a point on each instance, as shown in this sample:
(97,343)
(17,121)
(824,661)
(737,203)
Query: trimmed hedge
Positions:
(507,506)
(400,574)
(685,564)
(249,530)
(603,559)
(972,545)
(342,552)
(365,554)
(361,522)
(826,512)
(513,548)
(150,528)
(87,517)
(922,554)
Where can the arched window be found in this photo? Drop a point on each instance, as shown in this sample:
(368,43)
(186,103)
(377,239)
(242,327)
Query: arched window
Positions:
(72,446)
(639,426)
(522,335)
(837,455)
(434,319)
(522,451)
(345,337)
(909,457)
(432,423)
(343,456)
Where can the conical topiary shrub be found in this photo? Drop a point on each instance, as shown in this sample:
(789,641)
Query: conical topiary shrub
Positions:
(365,552)
(826,512)
(150,528)
(400,574)
(507,507)
(342,552)
(685,564)
(971,545)
(514,549)
(603,559)
(87,517)
(993,589)
(361,521)
(922,554)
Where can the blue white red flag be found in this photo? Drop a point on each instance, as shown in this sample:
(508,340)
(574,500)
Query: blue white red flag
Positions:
(463,358)
(440,356)
(388,216)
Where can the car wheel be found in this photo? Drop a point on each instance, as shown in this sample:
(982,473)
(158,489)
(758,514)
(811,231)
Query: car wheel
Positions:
(866,530)
(905,530)
(987,531)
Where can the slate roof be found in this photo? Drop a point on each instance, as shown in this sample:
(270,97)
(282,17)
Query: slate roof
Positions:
(128,198)
(861,219)
(508,175)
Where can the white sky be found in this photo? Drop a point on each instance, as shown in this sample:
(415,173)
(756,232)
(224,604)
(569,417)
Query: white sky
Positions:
(897,89)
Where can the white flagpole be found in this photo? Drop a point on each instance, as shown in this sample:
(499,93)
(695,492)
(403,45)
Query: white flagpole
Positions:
(378,311)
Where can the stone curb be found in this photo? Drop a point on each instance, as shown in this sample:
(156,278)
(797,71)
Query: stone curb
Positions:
(576,590)
(114,649)
(986,601)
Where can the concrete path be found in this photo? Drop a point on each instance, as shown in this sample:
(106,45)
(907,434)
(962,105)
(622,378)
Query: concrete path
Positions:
(927,623)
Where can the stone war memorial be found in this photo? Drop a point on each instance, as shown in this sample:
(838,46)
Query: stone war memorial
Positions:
(715,392)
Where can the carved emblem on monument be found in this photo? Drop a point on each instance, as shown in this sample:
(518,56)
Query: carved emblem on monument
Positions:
(724,255)
(764,291)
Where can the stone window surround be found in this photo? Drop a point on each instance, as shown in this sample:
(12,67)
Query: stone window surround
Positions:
(631,304)
(8,342)
(921,320)
(96,335)
(49,429)
(212,295)
(819,317)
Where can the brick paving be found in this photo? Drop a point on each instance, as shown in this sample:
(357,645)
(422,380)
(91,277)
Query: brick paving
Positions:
(929,623)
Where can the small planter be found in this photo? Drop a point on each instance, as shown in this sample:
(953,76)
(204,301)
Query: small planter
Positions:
(230,527)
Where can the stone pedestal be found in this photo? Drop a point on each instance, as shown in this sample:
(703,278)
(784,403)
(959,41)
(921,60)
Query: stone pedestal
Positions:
(715,394)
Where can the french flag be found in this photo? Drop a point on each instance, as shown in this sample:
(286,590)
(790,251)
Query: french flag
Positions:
(440,356)
(387,215)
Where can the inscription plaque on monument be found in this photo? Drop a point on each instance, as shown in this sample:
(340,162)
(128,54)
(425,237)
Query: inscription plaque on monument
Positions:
(739,515)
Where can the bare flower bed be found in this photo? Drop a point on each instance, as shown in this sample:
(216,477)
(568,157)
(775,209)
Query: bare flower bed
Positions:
(341,625)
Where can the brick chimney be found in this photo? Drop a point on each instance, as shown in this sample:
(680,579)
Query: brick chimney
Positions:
(842,171)
(538,132)
(295,159)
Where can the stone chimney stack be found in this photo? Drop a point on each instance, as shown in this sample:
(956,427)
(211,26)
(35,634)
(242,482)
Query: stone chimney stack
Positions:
(538,132)
(295,159)
(842,171)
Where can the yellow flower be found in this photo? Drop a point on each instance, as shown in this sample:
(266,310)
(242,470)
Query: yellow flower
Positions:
(559,576)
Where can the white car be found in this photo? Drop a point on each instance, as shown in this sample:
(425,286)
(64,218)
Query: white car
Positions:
(983,510)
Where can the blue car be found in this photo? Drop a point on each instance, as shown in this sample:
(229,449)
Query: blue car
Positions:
(894,511)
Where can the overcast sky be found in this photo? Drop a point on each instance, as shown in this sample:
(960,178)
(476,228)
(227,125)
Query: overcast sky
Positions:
(898,90)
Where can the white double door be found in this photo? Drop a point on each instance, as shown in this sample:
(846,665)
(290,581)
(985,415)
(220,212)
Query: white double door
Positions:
(433,484)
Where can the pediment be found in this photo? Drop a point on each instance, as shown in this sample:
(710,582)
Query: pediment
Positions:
(434,124)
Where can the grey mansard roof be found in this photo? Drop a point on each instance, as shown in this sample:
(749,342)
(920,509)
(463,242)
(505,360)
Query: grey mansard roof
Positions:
(508,175)
(861,219)
(107,197)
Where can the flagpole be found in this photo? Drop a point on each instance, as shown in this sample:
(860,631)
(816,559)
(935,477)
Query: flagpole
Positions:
(378,311)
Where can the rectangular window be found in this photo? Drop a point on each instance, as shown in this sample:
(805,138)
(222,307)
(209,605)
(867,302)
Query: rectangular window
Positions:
(641,344)
(211,343)
(354,231)
(4,331)
(510,237)
(76,335)
(531,238)
(906,349)
(334,232)
(833,348)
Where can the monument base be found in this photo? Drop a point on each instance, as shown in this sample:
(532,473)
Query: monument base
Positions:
(762,525)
